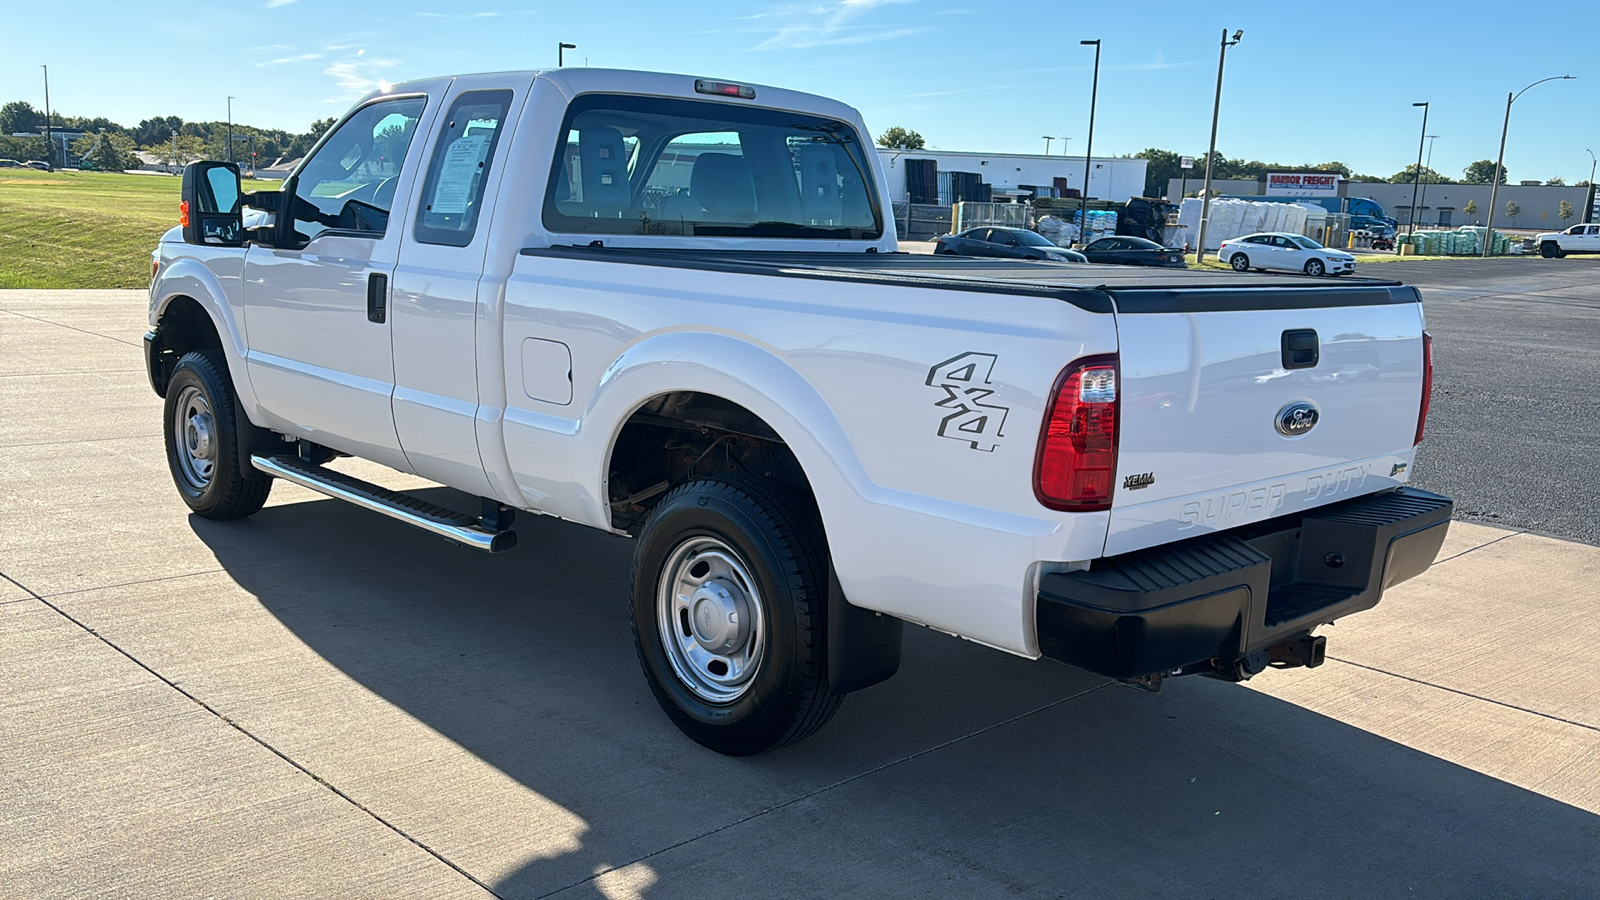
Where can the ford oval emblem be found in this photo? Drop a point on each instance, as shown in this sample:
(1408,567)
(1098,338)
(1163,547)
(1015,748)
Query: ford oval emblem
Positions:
(1297,418)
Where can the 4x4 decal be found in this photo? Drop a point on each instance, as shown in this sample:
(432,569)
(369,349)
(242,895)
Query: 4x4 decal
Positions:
(964,380)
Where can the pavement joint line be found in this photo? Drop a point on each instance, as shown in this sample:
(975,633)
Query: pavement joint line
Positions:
(69,327)
(137,581)
(825,788)
(1477,548)
(119,437)
(259,741)
(59,373)
(1468,694)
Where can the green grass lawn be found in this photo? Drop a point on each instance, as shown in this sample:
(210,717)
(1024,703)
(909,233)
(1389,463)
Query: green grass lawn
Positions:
(84,229)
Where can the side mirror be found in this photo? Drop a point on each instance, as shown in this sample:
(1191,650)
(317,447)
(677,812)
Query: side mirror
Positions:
(210,210)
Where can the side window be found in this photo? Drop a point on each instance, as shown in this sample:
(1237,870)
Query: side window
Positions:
(452,192)
(348,184)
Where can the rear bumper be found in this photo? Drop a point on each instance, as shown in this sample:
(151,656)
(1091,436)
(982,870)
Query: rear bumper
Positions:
(1220,602)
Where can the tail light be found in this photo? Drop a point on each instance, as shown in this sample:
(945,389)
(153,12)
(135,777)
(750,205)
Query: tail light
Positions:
(1427,385)
(1076,466)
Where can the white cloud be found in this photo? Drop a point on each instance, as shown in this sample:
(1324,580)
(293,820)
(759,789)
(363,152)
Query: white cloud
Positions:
(800,25)
(274,4)
(282,60)
(357,76)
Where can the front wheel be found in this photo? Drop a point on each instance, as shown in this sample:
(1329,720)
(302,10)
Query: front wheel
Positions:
(1240,262)
(1315,267)
(729,598)
(1550,250)
(208,466)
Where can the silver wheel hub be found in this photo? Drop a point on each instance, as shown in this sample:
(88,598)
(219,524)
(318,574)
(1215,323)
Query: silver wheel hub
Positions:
(709,619)
(194,432)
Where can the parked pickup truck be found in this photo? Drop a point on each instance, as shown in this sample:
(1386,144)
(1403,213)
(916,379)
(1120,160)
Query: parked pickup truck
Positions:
(1577,239)
(672,308)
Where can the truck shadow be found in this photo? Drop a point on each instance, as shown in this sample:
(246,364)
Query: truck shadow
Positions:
(525,660)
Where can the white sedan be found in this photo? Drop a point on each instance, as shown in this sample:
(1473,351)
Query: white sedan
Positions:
(1285,251)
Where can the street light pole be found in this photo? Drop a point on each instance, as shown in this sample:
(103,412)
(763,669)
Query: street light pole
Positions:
(1047,139)
(49,145)
(1588,213)
(1429,166)
(1499,161)
(561,52)
(1065,143)
(1416,180)
(1088,152)
(230,129)
(1216,108)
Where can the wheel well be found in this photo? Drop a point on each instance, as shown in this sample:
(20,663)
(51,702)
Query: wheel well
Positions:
(676,437)
(184,327)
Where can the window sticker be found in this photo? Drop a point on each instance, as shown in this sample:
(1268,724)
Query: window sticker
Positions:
(461,163)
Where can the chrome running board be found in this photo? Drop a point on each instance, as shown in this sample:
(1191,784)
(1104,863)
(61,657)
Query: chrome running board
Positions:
(458,527)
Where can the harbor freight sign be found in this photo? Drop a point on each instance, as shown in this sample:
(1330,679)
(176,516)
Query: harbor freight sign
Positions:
(1302,184)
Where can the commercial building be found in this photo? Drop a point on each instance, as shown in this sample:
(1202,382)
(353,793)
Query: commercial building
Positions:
(1439,205)
(1009,176)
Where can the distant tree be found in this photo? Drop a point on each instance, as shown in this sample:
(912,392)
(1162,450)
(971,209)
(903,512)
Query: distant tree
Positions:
(156,130)
(1471,208)
(20,117)
(106,151)
(1367,178)
(901,139)
(1429,176)
(1513,210)
(1334,166)
(178,151)
(1161,166)
(1557,181)
(1564,211)
(1482,172)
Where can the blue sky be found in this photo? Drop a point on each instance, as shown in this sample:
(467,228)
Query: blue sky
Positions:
(1309,82)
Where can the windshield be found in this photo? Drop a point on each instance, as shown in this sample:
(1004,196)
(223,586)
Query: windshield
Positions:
(1305,242)
(653,165)
(1029,238)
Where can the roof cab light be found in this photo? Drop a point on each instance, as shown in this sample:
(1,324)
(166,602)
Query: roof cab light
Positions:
(1076,466)
(724,89)
(1427,385)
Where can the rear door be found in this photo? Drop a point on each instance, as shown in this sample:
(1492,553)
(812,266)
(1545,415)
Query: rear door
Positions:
(1223,425)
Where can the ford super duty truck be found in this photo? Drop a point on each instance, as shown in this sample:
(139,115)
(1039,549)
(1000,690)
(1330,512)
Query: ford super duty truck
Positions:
(673,308)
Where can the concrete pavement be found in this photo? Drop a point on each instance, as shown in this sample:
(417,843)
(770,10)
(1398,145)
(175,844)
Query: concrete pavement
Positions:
(320,702)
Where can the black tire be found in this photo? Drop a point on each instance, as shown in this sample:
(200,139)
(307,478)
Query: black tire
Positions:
(203,453)
(1550,250)
(1315,267)
(1240,262)
(776,535)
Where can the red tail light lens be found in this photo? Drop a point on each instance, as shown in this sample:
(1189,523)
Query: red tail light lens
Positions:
(1427,385)
(1076,467)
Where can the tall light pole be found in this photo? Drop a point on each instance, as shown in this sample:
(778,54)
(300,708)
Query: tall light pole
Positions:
(1499,162)
(1416,179)
(1588,213)
(49,146)
(1047,139)
(1216,108)
(1065,143)
(230,129)
(1088,152)
(1429,166)
(561,52)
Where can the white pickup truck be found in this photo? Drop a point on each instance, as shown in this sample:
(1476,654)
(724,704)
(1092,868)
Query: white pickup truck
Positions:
(1577,239)
(673,308)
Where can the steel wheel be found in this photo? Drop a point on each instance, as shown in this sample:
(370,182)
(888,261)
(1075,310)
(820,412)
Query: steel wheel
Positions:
(194,432)
(709,617)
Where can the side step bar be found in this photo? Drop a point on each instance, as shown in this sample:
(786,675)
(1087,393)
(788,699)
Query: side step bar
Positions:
(458,527)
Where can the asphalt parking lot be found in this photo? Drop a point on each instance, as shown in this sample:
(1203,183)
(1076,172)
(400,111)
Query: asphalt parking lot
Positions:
(320,702)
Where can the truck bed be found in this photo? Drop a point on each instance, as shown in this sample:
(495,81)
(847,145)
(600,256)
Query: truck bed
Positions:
(1096,288)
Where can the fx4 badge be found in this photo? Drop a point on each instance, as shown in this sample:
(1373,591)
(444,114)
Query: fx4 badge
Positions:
(1135,482)
(964,380)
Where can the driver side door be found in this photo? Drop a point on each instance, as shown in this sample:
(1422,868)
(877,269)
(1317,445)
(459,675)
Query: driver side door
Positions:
(316,307)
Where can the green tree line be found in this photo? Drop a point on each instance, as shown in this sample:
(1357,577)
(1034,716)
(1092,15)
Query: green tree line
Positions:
(113,144)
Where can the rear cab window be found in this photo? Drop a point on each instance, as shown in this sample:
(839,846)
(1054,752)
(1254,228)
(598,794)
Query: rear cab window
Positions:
(662,166)
(452,192)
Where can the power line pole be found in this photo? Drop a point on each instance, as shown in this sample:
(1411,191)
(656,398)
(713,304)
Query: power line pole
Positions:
(230,129)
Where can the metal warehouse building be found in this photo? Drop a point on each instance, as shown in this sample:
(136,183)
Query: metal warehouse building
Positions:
(1009,176)
(1440,205)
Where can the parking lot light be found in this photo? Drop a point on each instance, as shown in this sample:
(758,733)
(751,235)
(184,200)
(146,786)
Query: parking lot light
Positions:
(1499,161)
(1088,152)
(1416,178)
(1216,107)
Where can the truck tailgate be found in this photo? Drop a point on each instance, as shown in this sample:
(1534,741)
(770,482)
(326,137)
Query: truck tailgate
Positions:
(1242,405)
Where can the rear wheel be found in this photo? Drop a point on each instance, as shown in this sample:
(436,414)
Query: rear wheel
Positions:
(1550,250)
(729,598)
(1315,267)
(203,451)
(1240,262)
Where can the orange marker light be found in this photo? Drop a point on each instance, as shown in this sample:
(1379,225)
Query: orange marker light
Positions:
(183,213)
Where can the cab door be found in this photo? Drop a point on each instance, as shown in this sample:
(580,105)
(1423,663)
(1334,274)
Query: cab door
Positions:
(438,284)
(320,357)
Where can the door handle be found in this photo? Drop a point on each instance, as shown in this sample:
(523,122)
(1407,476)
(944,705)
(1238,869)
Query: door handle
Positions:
(1301,349)
(377,297)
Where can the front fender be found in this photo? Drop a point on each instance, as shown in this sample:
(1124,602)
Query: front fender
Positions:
(189,277)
